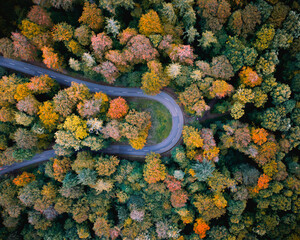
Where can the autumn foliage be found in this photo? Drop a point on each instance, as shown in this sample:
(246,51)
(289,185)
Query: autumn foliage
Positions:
(126,34)
(22,91)
(60,168)
(201,227)
(249,77)
(78,92)
(259,136)
(101,227)
(155,80)
(50,58)
(6,47)
(23,48)
(191,137)
(154,170)
(101,43)
(222,60)
(183,54)
(139,50)
(179,198)
(220,89)
(62,32)
(91,16)
(41,84)
(24,179)
(31,30)
(108,70)
(262,183)
(48,116)
(6,114)
(117,108)
(172,183)
(40,16)
(75,125)
(29,104)
(267,152)
(150,23)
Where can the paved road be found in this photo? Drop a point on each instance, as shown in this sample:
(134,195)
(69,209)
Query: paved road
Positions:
(163,98)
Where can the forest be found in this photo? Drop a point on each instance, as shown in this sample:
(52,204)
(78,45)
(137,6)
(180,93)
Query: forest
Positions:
(232,66)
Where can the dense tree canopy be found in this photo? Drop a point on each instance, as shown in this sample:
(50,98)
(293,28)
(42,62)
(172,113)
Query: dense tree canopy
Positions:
(233,66)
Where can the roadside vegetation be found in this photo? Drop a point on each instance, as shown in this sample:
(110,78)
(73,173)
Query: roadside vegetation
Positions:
(161,119)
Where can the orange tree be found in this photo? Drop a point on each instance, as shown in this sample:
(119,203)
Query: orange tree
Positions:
(249,77)
(41,84)
(200,227)
(50,58)
(24,179)
(262,183)
(91,16)
(117,108)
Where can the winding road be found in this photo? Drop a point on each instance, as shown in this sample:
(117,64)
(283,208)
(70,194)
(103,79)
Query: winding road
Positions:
(165,99)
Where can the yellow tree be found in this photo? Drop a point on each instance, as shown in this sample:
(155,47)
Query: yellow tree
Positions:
(150,24)
(48,116)
(22,92)
(30,30)
(220,89)
(62,32)
(191,137)
(154,80)
(75,125)
(151,83)
(154,170)
(75,47)
(8,86)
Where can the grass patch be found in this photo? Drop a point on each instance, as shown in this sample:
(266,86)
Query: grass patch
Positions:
(160,117)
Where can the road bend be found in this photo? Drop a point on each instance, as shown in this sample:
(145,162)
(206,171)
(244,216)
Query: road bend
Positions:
(165,99)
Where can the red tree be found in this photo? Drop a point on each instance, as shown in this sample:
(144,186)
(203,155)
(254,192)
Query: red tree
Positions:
(140,50)
(183,54)
(179,198)
(101,43)
(108,70)
(23,48)
(40,16)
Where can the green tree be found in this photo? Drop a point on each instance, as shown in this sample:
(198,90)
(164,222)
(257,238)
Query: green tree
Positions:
(87,177)
(280,93)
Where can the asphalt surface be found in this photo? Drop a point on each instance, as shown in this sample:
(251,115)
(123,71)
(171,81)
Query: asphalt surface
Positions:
(165,99)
